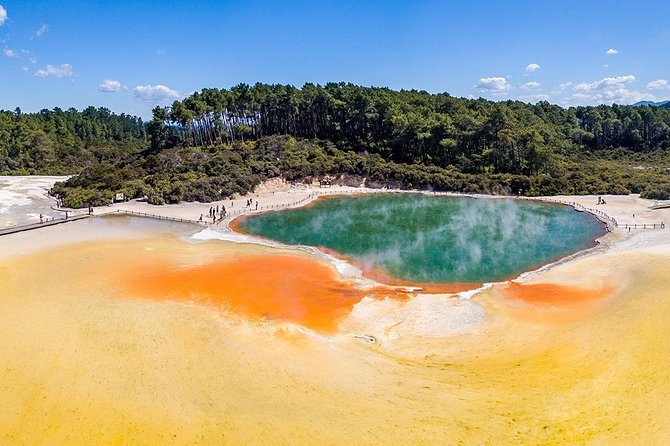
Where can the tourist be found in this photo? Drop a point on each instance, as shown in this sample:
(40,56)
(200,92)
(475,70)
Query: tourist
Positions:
(256,204)
(41,218)
(200,219)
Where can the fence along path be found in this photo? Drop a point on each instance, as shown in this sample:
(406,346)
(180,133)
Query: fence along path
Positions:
(160,217)
(31,226)
(609,219)
(611,222)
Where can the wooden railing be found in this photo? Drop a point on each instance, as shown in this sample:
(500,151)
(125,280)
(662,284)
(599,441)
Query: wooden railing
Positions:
(643,226)
(609,219)
(46,222)
(277,206)
(160,217)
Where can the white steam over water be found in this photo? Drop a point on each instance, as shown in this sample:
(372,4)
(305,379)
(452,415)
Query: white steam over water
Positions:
(431,239)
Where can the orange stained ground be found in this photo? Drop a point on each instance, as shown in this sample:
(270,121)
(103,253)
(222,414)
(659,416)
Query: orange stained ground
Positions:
(553,303)
(552,293)
(273,286)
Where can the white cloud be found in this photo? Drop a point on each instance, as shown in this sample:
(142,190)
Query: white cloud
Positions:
(533,98)
(155,93)
(111,86)
(64,70)
(22,54)
(531,85)
(494,85)
(42,29)
(24,68)
(612,52)
(532,67)
(3,15)
(564,85)
(660,84)
(609,90)
(605,83)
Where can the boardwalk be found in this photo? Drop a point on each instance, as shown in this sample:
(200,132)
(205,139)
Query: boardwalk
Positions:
(161,217)
(32,226)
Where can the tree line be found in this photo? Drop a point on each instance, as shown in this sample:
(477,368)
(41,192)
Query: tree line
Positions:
(218,142)
(476,136)
(65,141)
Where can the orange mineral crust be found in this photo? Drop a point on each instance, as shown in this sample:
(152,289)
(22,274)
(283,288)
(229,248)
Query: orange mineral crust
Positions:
(551,302)
(269,286)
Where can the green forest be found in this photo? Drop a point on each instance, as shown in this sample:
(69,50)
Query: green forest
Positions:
(218,142)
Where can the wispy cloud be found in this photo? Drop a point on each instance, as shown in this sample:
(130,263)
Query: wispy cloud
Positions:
(64,70)
(612,52)
(531,85)
(605,83)
(3,15)
(9,52)
(533,98)
(608,90)
(40,31)
(660,84)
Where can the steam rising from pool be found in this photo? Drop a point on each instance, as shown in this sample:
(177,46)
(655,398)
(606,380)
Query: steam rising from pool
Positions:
(435,239)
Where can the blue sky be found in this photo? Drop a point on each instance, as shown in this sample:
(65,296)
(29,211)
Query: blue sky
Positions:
(132,55)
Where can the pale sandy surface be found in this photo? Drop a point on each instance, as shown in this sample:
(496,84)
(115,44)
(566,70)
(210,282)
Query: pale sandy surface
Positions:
(270,196)
(82,363)
(24,198)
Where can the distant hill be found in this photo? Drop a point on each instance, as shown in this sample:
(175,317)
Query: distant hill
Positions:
(653,104)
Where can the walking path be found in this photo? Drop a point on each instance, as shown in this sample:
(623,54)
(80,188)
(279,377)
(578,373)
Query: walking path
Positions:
(32,226)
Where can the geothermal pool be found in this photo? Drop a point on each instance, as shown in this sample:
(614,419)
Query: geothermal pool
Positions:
(434,239)
(127,330)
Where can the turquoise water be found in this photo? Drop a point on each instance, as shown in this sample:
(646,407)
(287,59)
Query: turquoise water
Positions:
(435,239)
